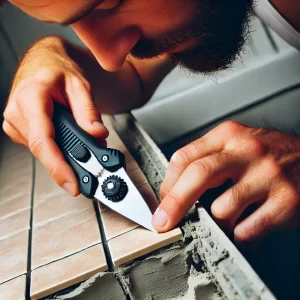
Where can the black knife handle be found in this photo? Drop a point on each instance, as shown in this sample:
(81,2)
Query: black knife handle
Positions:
(73,140)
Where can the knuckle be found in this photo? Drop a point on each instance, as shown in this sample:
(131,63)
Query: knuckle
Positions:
(231,127)
(81,83)
(9,114)
(90,109)
(180,158)
(53,170)
(237,193)
(164,190)
(177,201)
(203,165)
(274,170)
(35,145)
(255,147)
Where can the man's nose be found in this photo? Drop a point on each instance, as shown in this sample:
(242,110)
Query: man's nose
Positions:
(109,47)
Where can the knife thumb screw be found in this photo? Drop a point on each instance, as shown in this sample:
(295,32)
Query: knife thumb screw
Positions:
(114,188)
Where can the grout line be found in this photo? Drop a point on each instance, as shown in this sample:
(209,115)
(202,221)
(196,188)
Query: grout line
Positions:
(107,253)
(117,235)
(28,275)
(12,278)
(19,211)
(66,256)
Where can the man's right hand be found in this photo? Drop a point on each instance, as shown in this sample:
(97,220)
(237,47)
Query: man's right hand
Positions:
(46,75)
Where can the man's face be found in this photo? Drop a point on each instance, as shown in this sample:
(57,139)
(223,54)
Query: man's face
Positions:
(200,35)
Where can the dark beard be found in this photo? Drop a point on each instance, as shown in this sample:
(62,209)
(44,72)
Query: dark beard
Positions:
(219,32)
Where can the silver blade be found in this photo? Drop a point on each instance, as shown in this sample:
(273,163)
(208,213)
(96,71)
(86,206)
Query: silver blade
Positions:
(133,206)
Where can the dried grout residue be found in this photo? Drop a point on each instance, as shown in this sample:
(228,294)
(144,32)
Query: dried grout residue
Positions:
(104,286)
(211,248)
(169,274)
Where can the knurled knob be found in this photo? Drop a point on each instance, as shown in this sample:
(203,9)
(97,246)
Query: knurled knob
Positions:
(114,188)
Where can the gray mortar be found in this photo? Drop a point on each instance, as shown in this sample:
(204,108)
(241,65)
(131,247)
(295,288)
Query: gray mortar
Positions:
(169,274)
(103,286)
(204,266)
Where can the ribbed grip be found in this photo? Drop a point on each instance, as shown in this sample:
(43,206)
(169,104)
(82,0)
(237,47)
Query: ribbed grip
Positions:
(74,140)
(66,138)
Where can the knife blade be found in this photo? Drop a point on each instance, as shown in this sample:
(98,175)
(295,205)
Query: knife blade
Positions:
(100,171)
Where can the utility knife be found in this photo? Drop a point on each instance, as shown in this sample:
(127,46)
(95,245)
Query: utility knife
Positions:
(100,171)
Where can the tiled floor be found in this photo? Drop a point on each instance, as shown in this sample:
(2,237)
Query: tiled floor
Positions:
(63,273)
(15,199)
(66,245)
(13,289)
(66,241)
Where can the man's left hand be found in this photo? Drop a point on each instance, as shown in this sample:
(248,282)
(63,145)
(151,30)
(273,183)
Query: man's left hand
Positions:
(264,166)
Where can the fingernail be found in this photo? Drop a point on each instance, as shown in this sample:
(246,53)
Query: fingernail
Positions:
(160,218)
(98,124)
(69,187)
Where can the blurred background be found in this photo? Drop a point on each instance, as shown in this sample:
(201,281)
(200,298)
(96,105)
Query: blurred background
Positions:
(262,90)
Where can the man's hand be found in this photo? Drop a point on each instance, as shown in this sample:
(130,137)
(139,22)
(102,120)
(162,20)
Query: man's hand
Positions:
(264,166)
(47,75)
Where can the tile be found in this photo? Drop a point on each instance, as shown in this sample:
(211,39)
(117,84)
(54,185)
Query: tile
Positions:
(51,201)
(115,224)
(64,236)
(137,177)
(14,205)
(13,256)
(16,166)
(15,176)
(15,223)
(13,289)
(139,242)
(68,271)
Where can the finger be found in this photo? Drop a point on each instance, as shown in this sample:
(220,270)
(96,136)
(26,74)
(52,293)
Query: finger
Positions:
(40,131)
(13,134)
(214,141)
(230,205)
(273,214)
(83,108)
(201,175)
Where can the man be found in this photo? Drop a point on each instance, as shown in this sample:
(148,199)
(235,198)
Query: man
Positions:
(132,45)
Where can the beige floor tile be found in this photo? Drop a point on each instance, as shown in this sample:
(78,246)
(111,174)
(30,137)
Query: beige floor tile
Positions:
(137,177)
(57,207)
(116,224)
(149,196)
(139,242)
(15,223)
(13,289)
(15,176)
(68,271)
(51,201)
(13,256)
(45,187)
(64,236)
(14,205)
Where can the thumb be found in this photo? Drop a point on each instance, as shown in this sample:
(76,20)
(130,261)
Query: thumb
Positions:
(84,109)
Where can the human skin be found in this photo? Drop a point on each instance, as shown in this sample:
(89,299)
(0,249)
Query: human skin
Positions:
(263,164)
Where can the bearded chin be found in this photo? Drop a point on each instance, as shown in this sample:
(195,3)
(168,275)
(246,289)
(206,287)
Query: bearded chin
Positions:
(220,30)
